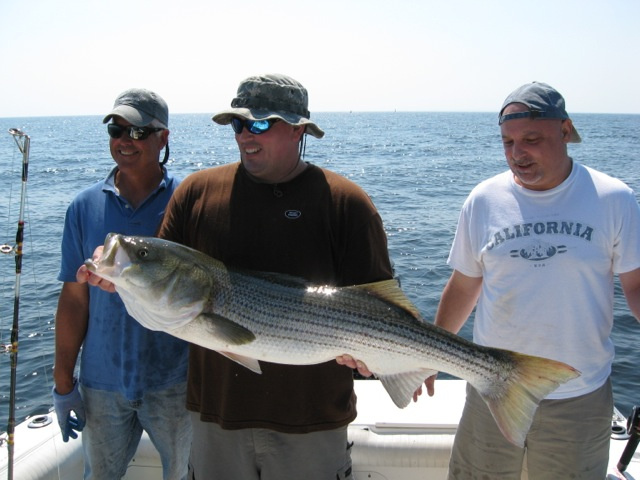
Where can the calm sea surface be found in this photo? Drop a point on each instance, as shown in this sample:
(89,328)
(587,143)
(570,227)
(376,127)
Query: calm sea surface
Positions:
(417,167)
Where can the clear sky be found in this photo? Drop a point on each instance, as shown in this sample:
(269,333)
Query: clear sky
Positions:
(73,57)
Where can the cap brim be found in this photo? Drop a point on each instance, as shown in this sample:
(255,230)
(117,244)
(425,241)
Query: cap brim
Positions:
(575,136)
(224,118)
(131,115)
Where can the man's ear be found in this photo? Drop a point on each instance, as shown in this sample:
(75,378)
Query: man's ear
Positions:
(567,128)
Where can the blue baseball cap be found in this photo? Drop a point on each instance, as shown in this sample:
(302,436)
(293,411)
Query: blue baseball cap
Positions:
(543,102)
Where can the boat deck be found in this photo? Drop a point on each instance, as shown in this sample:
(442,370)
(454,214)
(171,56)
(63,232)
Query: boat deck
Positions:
(388,443)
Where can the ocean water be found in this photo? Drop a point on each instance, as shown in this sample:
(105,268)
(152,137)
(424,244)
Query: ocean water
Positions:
(417,167)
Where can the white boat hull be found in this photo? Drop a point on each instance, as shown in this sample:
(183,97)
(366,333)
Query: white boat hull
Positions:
(388,443)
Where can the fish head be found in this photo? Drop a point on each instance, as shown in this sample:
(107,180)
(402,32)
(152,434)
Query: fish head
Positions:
(162,284)
(133,260)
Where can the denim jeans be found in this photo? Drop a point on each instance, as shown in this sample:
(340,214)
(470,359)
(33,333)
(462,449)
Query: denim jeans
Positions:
(115,424)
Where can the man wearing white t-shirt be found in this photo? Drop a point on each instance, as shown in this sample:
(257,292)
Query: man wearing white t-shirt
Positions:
(535,252)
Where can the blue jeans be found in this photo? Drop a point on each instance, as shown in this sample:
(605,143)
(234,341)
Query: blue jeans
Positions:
(114,427)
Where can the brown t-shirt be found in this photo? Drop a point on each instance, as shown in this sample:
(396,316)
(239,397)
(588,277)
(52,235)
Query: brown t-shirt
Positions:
(319,226)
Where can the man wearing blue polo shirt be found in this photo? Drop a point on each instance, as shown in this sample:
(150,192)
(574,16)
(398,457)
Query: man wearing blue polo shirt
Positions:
(131,379)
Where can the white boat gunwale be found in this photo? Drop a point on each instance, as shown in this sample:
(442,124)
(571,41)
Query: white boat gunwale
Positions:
(388,443)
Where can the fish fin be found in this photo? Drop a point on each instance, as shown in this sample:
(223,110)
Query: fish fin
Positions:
(513,401)
(250,363)
(402,386)
(389,291)
(227,330)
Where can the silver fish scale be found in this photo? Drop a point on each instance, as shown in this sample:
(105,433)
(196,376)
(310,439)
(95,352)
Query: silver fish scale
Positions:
(282,311)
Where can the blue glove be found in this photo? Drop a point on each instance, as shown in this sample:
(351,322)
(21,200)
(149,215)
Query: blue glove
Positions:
(64,405)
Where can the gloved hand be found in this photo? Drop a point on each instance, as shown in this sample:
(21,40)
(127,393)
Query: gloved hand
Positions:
(64,405)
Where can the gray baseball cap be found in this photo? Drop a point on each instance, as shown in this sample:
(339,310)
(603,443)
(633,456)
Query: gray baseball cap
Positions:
(543,102)
(264,97)
(140,107)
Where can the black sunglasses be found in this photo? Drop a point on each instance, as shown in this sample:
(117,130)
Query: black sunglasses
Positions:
(135,133)
(254,126)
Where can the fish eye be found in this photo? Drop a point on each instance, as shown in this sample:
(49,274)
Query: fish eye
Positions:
(143,252)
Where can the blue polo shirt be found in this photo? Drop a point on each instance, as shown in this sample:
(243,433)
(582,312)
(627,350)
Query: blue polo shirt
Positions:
(119,354)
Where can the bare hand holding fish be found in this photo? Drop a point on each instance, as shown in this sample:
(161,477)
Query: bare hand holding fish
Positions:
(85,275)
(255,316)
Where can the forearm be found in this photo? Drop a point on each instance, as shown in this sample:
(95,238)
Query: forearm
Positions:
(65,362)
(71,323)
(458,300)
(630,283)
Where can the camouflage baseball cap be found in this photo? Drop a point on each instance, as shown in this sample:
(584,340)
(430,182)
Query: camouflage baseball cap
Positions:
(263,97)
(140,107)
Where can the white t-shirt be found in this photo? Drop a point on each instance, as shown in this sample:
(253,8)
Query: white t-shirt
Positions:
(547,259)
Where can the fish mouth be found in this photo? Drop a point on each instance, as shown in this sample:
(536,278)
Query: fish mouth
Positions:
(112,261)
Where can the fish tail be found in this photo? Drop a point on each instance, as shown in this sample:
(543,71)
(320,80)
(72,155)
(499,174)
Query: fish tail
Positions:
(513,400)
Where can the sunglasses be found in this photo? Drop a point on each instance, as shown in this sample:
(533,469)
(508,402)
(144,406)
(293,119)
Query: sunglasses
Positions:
(135,133)
(254,126)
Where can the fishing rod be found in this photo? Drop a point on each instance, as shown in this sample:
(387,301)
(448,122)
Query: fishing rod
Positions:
(23,141)
(633,429)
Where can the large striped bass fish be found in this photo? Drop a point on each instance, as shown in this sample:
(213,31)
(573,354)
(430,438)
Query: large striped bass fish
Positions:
(255,316)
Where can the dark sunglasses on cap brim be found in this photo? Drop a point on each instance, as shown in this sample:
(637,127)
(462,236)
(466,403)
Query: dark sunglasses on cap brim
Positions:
(135,133)
(254,126)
